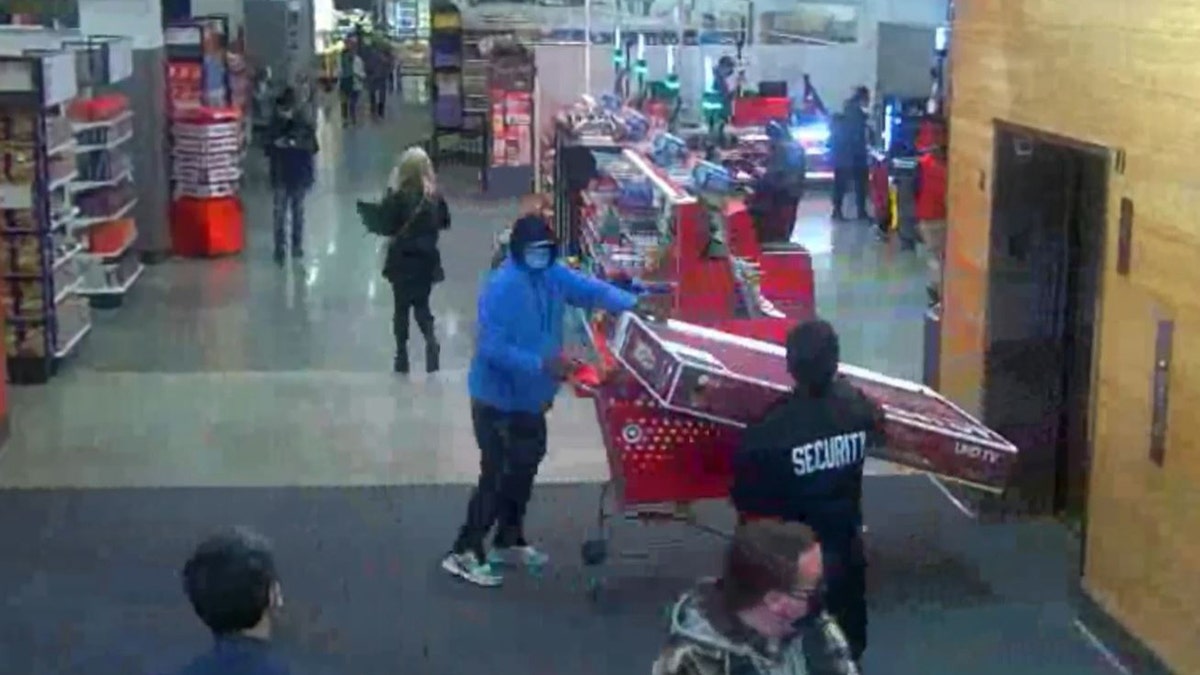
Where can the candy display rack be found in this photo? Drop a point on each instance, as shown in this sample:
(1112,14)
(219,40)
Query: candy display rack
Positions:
(104,192)
(45,319)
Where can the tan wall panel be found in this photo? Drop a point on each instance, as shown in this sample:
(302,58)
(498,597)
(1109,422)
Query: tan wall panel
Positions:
(1123,74)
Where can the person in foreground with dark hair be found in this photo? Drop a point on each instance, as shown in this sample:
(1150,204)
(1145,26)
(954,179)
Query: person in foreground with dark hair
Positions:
(514,376)
(804,463)
(232,584)
(763,616)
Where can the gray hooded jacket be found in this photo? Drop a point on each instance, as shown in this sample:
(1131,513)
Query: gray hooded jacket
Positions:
(698,647)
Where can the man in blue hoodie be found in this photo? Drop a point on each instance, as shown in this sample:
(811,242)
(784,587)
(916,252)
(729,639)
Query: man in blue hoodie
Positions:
(515,374)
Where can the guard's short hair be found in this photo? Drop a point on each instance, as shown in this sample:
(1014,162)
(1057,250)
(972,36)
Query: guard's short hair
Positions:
(813,353)
(761,558)
(228,580)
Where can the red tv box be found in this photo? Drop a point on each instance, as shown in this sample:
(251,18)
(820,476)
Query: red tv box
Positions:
(734,380)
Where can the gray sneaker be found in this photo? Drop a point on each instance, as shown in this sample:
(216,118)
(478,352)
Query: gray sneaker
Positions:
(468,567)
(526,556)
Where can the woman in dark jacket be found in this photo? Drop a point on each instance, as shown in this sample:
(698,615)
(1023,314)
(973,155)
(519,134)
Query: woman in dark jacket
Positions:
(416,215)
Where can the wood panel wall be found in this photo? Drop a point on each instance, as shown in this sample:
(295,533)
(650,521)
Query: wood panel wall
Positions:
(1123,74)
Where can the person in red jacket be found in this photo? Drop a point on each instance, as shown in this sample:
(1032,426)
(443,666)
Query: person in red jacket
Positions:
(930,188)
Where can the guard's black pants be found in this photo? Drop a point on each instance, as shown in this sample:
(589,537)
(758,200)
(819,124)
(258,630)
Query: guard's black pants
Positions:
(846,589)
(511,447)
(856,174)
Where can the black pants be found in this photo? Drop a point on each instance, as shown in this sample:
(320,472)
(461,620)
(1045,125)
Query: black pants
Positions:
(289,201)
(378,96)
(349,106)
(846,590)
(511,446)
(843,176)
(409,299)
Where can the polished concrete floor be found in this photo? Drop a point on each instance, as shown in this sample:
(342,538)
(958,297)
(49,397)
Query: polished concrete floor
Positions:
(236,391)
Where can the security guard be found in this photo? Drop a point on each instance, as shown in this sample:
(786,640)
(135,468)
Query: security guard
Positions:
(804,462)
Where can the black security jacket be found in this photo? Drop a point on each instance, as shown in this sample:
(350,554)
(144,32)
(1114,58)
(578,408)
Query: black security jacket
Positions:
(804,460)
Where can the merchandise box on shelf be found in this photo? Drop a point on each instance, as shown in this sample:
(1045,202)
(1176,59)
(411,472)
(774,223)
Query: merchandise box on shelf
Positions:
(732,380)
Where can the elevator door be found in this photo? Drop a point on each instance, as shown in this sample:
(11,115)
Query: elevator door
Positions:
(1043,272)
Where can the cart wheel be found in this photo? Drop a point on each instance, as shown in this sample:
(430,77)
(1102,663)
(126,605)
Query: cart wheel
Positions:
(594,552)
(594,586)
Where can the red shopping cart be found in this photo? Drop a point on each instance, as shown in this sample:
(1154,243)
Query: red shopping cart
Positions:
(661,461)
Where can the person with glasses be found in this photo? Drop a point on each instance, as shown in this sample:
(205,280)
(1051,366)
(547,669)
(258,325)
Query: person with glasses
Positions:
(763,616)
(803,463)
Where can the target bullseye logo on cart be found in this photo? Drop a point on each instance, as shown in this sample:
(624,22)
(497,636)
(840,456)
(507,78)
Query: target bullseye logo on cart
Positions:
(632,433)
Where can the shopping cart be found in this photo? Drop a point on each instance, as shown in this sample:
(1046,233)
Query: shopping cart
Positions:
(672,397)
(661,462)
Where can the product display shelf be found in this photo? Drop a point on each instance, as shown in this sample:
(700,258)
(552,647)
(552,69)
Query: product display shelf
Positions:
(105,197)
(45,318)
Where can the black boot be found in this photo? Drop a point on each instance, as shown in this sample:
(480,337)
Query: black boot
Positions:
(400,364)
(433,354)
(838,216)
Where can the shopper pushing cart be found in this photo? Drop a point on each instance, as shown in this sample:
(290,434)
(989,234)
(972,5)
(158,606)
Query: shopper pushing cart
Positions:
(514,376)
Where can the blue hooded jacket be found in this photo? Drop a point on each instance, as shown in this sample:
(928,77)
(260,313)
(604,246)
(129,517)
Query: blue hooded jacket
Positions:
(520,323)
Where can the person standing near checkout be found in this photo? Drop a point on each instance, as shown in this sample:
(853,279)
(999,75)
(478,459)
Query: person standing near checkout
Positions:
(778,192)
(804,463)
(514,376)
(850,154)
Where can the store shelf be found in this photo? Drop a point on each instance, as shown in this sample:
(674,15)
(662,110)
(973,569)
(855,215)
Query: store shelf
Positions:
(67,146)
(110,145)
(133,234)
(102,124)
(82,223)
(66,292)
(66,257)
(114,290)
(63,221)
(73,342)
(63,182)
(85,185)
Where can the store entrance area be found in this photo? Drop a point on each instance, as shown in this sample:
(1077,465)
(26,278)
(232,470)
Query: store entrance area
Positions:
(236,391)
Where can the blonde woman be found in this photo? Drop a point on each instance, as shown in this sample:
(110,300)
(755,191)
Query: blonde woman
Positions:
(415,215)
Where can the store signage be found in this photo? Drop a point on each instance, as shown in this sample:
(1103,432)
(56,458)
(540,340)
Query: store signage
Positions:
(16,76)
(120,60)
(59,80)
(184,36)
